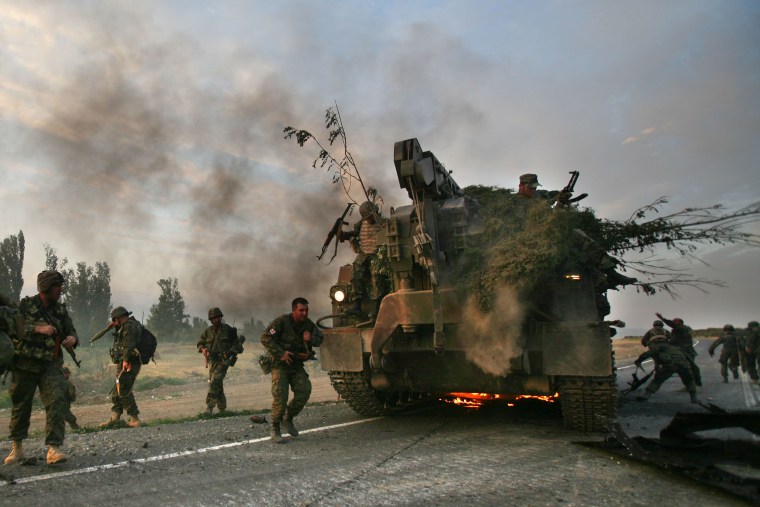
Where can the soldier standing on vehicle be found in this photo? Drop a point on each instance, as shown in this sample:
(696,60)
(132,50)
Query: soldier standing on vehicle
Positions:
(289,340)
(668,359)
(680,336)
(368,268)
(127,360)
(71,396)
(752,348)
(38,363)
(729,356)
(658,329)
(220,344)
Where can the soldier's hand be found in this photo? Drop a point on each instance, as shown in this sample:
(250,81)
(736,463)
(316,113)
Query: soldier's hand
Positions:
(659,315)
(126,366)
(638,364)
(47,329)
(204,351)
(287,358)
(303,356)
(307,336)
(69,342)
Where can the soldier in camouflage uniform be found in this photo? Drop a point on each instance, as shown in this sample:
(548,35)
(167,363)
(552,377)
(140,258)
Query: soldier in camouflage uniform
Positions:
(369,265)
(729,356)
(668,359)
(220,344)
(71,397)
(11,327)
(680,336)
(751,343)
(38,363)
(289,340)
(127,360)
(658,329)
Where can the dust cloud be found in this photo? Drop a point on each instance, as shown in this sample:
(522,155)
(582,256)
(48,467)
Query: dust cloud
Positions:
(494,338)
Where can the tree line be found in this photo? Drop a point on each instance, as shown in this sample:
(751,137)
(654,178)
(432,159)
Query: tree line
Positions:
(87,295)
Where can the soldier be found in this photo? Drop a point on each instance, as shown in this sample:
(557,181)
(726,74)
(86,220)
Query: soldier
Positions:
(680,336)
(38,363)
(71,397)
(10,329)
(127,360)
(751,348)
(729,356)
(658,329)
(220,344)
(367,266)
(289,340)
(668,359)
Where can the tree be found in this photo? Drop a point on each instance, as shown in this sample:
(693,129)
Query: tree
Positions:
(252,329)
(167,318)
(11,265)
(87,291)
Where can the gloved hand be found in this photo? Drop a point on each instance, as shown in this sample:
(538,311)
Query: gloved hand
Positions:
(637,363)
(712,354)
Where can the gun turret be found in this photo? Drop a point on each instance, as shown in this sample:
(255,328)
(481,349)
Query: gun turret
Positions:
(420,172)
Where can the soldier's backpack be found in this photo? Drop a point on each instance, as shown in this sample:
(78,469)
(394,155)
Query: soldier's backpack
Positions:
(146,346)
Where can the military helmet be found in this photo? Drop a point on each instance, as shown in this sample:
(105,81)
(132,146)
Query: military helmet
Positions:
(119,311)
(214,312)
(678,320)
(753,323)
(367,208)
(658,323)
(728,327)
(529,179)
(47,279)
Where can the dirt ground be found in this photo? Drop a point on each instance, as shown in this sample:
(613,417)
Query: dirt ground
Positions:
(246,388)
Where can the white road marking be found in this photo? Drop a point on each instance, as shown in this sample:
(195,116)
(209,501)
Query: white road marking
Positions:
(633,365)
(749,388)
(172,455)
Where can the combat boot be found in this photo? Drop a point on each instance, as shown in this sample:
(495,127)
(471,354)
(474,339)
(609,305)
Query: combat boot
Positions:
(290,427)
(222,407)
(74,425)
(115,418)
(736,373)
(16,455)
(693,396)
(54,456)
(275,435)
(209,410)
(134,421)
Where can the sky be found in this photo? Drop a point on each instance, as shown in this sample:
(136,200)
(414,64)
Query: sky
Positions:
(148,134)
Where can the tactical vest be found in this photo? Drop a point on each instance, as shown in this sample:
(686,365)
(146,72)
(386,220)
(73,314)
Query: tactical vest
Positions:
(37,346)
(368,237)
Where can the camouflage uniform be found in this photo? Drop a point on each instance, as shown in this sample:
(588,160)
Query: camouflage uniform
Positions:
(751,342)
(729,356)
(658,329)
(11,327)
(222,344)
(680,336)
(39,364)
(124,350)
(71,397)
(668,360)
(369,265)
(285,334)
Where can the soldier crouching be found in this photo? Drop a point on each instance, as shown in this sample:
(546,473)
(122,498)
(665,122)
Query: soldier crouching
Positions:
(288,340)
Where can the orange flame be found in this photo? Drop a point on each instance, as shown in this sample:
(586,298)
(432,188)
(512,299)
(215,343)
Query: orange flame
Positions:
(476,400)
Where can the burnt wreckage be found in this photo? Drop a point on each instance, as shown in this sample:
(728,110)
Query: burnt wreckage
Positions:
(418,342)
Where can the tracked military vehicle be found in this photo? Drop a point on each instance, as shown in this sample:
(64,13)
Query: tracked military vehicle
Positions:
(417,344)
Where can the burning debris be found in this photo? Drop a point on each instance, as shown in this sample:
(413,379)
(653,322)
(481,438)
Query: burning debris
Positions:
(477,400)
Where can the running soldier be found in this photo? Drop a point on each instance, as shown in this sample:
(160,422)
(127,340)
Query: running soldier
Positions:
(38,363)
(681,337)
(658,329)
(289,340)
(729,356)
(220,345)
(668,359)
(752,348)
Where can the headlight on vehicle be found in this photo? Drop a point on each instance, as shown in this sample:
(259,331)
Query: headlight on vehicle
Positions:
(339,295)
(574,277)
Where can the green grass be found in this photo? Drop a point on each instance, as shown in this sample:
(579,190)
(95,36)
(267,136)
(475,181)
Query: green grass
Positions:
(146,384)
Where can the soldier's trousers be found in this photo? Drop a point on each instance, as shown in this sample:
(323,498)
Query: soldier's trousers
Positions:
(297,379)
(665,371)
(751,361)
(366,280)
(70,418)
(215,396)
(123,399)
(692,354)
(49,379)
(729,360)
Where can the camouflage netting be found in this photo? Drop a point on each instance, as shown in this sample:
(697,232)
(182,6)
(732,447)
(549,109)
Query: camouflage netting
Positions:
(524,243)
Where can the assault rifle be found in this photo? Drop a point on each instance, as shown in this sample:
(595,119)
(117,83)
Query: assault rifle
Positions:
(564,196)
(637,382)
(58,335)
(339,223)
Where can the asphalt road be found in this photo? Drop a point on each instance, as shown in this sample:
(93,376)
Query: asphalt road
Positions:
(437,455)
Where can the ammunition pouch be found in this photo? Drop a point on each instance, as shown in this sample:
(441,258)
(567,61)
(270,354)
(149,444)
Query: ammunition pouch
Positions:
(230,359)
(266,361)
